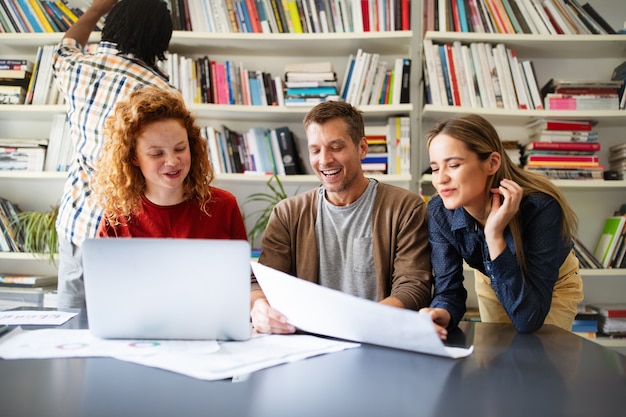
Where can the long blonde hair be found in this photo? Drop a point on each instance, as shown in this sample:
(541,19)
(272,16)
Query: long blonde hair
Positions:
(118,183)
(480,137)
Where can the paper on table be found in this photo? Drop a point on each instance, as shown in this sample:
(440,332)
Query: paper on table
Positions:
(240,358)
(207,360)
(317,309)
(34,317)
(73,343)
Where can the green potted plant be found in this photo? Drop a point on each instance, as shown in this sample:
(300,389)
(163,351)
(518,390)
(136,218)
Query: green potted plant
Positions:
(37,231)
(274,194)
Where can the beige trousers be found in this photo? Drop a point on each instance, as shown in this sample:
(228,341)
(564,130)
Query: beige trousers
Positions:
(566,295)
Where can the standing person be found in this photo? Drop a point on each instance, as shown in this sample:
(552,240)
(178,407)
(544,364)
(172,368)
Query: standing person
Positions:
(352,233)
(513,227)
(153,177)
(135,35)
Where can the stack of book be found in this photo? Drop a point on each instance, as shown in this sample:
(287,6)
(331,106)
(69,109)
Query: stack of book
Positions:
(612,318)
(22,154)
(15,76)
(582,95)
(617,160)
(562,149)
(307,84)
(25,290)
(377,159)
(586,322)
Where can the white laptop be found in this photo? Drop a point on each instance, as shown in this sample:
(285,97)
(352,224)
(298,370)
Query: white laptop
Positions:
(160,288)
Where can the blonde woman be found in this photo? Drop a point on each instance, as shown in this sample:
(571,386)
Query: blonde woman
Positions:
(513,227)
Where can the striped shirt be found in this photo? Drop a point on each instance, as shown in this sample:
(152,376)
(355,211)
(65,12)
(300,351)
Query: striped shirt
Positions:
(92,84)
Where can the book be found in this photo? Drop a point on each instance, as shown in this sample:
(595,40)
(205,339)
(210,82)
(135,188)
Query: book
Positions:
(555,101)
(288,151)
(562,146)
(598,18)
(17,280)
(557,124)
(610,310)
(564,136)
(572,173)
(607,241)
(22,158)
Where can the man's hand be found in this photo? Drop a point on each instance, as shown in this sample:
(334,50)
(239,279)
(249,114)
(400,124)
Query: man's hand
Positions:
(265,319)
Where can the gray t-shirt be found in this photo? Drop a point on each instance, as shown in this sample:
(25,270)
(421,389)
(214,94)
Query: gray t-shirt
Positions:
(344,240)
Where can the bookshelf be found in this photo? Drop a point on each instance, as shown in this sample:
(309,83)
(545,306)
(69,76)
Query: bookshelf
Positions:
(265,52)
(581,57)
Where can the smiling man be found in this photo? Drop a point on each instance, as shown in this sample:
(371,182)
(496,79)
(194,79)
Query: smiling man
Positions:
(352,233)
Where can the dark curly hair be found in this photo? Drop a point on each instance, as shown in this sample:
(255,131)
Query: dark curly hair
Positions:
(140,27)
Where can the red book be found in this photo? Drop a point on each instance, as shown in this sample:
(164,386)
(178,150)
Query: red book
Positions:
(254,16)
(563,146)
(365,12)
(611,311)
(562,158)
(406,13)
(456,96)
(553,124)
(455,16)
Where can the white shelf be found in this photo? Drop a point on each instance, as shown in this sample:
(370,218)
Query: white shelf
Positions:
(501,116)
(275,114)
(251,44)
(285,44)
(544,46)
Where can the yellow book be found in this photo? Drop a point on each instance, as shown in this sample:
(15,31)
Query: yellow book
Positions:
(41,16)
(295,16)
(66,11)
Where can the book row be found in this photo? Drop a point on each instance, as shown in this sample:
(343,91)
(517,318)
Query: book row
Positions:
(610,249)
(479,75)
(367,81)
(23,16)
(35,85)
(290,16)
(276,151)
(539,17)
(11,240)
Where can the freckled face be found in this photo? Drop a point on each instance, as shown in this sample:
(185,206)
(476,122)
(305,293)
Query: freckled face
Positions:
(164,157)
(459,177)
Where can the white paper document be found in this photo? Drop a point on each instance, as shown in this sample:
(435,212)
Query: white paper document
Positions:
(317,309)
(208,360)
(34,317)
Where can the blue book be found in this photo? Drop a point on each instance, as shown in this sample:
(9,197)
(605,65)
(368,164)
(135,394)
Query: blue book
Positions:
(462,15)
(34,21)
(242,15)
(446,76)
(255,92)
(311,91)
(376,159)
